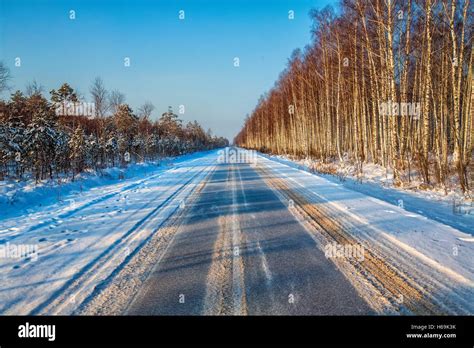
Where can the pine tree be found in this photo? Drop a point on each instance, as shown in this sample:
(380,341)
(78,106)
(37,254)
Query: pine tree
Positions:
(77,154)
(62,97)
(40,139)
(170,125)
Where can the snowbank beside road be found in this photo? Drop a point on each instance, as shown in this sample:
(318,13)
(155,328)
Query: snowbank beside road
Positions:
(430,204)
(26,197)
(434,256)
(82,241)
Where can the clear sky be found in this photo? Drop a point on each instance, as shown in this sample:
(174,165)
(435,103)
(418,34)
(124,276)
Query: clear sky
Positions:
(173,62)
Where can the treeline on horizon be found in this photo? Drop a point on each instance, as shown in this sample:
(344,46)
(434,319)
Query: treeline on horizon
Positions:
(383,81)
(36,140)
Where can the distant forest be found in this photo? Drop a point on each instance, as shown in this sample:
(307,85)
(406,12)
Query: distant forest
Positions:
(43,139)
(383,81)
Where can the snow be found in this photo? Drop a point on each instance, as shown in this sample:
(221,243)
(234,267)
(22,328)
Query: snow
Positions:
(440,253)
(85,236)
(85,233)
(25,197)
(433,204)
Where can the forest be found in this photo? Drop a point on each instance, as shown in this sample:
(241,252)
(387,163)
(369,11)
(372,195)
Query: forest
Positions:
(47,139)
(387,82)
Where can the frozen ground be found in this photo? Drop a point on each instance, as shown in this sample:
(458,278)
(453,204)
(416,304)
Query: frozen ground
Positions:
(24,197)
(88,232)
(435,255)
(432,204)
(418,258)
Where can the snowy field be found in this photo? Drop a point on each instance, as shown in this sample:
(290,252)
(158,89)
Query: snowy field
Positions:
(78,237)
(433,254)
(452,209)
(91,231)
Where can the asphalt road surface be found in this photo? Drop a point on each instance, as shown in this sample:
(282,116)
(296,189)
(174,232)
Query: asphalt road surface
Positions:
(240,251)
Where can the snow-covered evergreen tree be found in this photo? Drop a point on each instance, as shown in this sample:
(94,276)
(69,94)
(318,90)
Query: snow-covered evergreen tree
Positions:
(35,140)
(40,139)
(77,145)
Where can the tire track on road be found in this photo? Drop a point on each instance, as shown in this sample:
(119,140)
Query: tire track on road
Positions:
(80,280)
(387,281)
(225,292)
(117,293)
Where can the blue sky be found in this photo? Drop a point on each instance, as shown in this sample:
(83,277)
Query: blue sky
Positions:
(173,62)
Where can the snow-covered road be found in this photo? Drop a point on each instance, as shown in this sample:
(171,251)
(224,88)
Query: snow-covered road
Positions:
(204,237)
(86,238)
